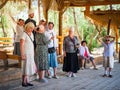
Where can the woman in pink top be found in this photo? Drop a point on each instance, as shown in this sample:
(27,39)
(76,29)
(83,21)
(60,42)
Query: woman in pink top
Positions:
(85,55)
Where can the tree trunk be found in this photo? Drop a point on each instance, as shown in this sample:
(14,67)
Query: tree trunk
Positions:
(3,3)
(76,26)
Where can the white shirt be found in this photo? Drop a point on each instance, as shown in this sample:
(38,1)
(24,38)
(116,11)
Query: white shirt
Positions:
(108,49)
(82,50)
(28,46)
(19,31)
(49,34)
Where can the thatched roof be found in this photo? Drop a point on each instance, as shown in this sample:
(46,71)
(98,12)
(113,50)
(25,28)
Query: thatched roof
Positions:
(102,17)
(60,4)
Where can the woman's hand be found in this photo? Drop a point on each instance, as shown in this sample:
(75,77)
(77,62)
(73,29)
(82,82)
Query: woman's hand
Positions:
(57,51)
(23,57)
(52,38)
(64,54)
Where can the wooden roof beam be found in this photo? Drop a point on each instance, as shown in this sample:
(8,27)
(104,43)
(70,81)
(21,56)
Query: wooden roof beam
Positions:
(95,3)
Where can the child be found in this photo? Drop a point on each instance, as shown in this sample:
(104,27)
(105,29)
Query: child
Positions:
(108,55)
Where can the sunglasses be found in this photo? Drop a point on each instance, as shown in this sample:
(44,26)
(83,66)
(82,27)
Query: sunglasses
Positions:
(107,40)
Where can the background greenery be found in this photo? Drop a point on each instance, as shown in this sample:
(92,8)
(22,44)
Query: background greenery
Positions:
(85,29)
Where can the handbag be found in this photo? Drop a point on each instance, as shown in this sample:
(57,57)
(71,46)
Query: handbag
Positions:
(51,50)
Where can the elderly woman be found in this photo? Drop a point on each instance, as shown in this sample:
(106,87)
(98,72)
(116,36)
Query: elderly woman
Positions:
(85,55)
(70,46)
(27,53)
(42,52)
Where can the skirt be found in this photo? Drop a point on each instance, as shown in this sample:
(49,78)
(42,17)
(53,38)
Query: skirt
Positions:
(28,65)
(17,48)
(52,59)
(71,63)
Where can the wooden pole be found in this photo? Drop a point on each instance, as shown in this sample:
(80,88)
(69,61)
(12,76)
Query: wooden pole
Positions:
(117,37)
(87,10)
(46,17)
(119,52)
(39,11)
(108,29)
(29,4)
(60,31)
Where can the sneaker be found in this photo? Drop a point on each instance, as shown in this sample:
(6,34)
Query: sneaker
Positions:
(105,75)
(70,75)
(49,77)
(73,75)
(110,76)
(82,68)
(43,80)
(56,77)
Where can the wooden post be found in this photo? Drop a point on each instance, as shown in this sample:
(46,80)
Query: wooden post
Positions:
(46,16)
(87,10)
(117,37)
(60,31)
(119,52)
(108,29)
(29,4)
(117,43)
(39,11)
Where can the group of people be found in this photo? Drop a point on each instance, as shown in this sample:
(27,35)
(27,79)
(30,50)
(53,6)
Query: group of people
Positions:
(37,45)
(73,53)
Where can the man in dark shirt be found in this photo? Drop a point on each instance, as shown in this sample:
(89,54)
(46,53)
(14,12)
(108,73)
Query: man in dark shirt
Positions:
(30,19)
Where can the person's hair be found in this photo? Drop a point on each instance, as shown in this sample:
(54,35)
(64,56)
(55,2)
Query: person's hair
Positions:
(29,25)
(39,27)
(41,21)
(20,19)
(71,29)
(51,23)
(83,42)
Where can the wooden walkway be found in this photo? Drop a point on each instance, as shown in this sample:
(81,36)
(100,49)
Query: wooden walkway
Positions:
(87,79)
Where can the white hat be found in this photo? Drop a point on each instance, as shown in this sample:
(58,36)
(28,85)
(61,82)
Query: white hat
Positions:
(30,11)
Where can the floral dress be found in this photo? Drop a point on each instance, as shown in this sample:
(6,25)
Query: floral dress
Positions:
(41,57)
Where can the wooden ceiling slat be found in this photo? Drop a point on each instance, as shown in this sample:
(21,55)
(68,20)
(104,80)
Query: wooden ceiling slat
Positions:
(93,2)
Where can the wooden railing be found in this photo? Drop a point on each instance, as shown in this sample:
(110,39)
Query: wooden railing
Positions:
(5,57)
(60,37)
(5,40)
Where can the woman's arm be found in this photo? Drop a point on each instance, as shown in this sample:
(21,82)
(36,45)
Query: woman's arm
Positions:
(64,46)
(22,42)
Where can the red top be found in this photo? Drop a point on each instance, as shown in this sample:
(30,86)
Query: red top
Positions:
(86,54)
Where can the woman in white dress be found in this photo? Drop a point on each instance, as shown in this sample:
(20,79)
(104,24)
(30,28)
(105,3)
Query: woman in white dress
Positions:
(27,54)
